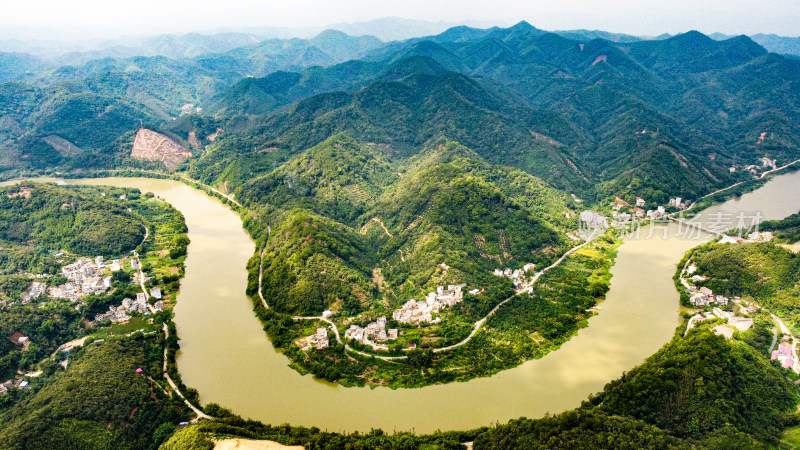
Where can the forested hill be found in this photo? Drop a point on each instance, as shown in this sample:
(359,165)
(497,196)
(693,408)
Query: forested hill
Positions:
(360,236)
(341,209)
(619,116)
(406,114)
(76,220)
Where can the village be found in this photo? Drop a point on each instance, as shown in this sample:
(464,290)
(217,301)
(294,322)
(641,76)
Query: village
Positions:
(624,216)
(757,169)
(84,277)
(413,312)
(94,277)
(518,276)
(624,212)
(373,332)
(122,312)
(736,310)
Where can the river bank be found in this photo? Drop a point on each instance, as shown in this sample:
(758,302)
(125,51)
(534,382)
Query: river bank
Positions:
(225,356)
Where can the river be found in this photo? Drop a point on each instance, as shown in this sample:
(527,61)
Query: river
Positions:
(225,354)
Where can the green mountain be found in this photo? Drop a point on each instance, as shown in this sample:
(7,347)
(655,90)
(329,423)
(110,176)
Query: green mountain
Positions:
(783,45)
(15,66)
(339,178)
(358,234)
(763,272)
(406,114)
(577,113)
(410,221)
(46,129)
(702,384)
(694,52)
(55,218)
(616,114)
(327,48)
(696,392)
(116,408)
(259,96)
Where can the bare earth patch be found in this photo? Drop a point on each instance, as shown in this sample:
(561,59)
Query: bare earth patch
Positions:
(152,146)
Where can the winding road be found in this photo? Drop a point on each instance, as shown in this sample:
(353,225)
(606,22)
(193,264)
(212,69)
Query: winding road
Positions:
(741,182)
(261,270)
(165,328)
(478,325)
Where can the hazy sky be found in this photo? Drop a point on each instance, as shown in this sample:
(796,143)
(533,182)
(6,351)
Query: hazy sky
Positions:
(111,18)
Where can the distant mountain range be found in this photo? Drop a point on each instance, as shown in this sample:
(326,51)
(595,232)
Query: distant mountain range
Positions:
(593,113)
(386,29)
(665,117)
(191,45)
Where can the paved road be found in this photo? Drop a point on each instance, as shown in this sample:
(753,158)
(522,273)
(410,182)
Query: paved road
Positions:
(346,346)
(165,328)
(785,330)
(478,325)
(737,184)
(230,199)
(779,168)
(261,270)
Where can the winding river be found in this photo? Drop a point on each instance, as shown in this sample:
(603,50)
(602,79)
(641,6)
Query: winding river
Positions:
(226,356)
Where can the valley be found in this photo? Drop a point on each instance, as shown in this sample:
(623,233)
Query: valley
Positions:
(205,364)
(439,233)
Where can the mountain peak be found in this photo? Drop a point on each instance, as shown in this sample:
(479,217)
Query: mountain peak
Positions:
(523,25)
(693,36)
(331,35)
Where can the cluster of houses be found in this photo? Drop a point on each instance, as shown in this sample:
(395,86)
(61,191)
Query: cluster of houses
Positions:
(19,384)
(319,340)
(518,276)
(122,312)
(677,203)
(703,296)
(733,322)
(373,332)
(592,220)
(85,277)
(756,169)
(755,236)
(423,311)
(636,211)
(36,289)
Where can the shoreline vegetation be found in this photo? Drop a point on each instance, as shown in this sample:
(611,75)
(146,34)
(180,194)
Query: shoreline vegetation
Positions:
(522,340)
(329,365)
(417,207)
(576,421)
